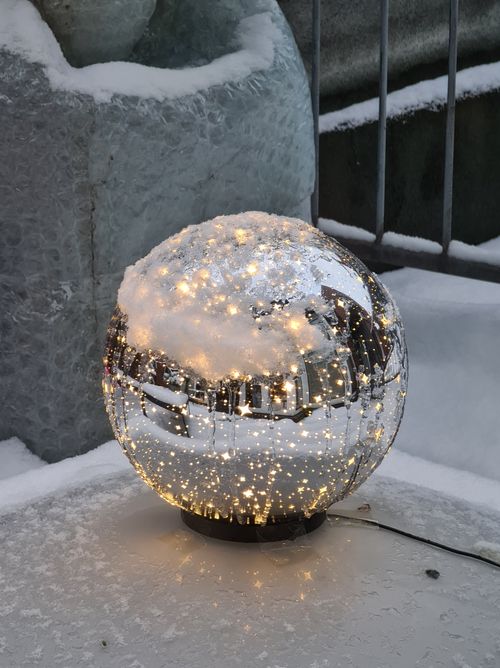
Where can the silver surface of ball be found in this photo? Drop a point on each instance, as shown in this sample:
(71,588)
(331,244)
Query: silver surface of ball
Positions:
(255,369)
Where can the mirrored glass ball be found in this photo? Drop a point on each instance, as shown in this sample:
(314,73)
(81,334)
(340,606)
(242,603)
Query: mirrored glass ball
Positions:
(255,369)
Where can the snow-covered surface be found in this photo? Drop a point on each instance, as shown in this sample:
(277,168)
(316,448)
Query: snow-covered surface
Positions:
(452,325)
(492,245)
(341,230)
(488,252)
(430,94)
(15,458)
(105,574)
(98,571)
(193,296)
(468,487)
(488,550)
(416,244)
(484,253)
(22,31)
(31,485)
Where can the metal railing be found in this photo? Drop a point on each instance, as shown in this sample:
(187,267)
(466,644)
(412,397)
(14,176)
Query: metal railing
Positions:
(377,251)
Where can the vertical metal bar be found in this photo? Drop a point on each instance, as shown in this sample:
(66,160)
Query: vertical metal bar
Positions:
(382,118)
(450,128)
(315,76)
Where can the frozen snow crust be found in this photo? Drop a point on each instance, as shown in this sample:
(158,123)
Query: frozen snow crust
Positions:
(194,294)
(100,165)
(108,561)
(452,327)
(430,94)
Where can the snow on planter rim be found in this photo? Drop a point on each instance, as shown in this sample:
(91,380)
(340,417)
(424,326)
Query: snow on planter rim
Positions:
(192,296)
(429,94)
(23,31)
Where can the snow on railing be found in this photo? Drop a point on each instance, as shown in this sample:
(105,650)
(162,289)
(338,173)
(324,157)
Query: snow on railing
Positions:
(402,250)
(388,247)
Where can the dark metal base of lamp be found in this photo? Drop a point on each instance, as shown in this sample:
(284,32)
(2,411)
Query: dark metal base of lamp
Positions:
(287,529)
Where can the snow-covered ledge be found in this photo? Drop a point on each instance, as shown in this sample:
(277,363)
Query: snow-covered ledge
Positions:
(23,32)
(103,162)
(430,94)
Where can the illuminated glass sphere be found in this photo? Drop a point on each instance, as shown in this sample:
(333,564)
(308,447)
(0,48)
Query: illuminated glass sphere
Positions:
(255,369)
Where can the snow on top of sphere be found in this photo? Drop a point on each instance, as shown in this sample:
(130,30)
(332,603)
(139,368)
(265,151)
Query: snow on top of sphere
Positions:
(229,297)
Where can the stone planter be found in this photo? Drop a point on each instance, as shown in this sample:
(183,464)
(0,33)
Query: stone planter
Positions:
(102,163)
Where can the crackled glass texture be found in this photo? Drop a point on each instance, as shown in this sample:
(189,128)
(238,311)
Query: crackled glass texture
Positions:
(255,369)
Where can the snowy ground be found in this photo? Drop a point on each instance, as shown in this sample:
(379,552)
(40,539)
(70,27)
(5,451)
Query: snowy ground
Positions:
(17,459)
(97,571)
(104,574)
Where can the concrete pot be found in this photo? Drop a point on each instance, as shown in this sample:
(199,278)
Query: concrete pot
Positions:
(102,163)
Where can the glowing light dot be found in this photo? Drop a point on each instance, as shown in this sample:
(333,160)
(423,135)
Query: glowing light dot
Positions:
(183,287)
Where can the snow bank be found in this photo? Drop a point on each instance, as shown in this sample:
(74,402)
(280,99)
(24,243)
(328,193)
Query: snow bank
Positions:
(341,230)
(34,484)
(464,485)
(15,458)
(23,31)
(452,327)
(416,244)
(488,252)
(482,253)
(431,95)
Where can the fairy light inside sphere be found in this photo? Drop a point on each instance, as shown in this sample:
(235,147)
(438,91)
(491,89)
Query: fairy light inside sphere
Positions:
(255,369)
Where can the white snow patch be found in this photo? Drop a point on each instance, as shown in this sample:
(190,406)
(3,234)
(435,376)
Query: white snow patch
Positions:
(165,395)
(335,228)
(488,550)
(15,458)
(464,485)
(488,252)
(430,94)
(23,31)
(446,289)
(35,484)
(477,253)
(451,326)
(416,244)
(194,296)
(492,245)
